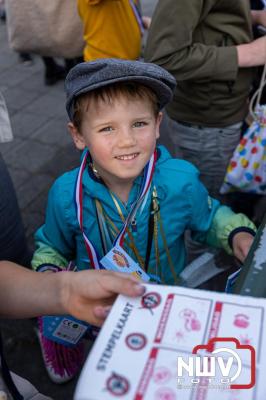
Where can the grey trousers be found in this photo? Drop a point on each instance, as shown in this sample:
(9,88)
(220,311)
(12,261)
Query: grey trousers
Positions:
(209,149)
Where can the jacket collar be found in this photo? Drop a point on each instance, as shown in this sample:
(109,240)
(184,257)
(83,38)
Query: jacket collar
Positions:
(96,188)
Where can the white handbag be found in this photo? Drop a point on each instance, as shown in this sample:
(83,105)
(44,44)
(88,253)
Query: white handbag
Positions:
(50,28)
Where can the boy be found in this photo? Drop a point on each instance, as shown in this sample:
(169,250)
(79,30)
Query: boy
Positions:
(129,203)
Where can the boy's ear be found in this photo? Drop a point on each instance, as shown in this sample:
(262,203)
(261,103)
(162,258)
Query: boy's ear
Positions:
(76,136)
(158,123)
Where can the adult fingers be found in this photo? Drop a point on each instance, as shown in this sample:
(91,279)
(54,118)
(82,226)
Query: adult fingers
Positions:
(122,284)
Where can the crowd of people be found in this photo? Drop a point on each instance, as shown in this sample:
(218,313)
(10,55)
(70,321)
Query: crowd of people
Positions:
(193,88)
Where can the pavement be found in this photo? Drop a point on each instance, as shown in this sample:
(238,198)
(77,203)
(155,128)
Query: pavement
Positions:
(41,150)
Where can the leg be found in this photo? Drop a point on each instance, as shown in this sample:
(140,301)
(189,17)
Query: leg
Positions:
(53,71)
(209,149)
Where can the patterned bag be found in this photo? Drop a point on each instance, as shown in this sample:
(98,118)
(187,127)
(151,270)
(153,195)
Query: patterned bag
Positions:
(246,171)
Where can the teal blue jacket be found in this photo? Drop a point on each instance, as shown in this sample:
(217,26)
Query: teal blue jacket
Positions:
(184,204)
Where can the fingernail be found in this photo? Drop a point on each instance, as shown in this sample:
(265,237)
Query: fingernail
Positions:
(139,289)
(106,310)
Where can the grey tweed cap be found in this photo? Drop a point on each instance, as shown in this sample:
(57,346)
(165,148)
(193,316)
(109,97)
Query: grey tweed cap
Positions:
(88,76)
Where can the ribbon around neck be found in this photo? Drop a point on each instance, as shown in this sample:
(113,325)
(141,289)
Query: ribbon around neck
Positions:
(118,242)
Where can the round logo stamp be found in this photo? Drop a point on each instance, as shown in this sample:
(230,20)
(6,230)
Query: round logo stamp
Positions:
(117,385)
(136,341)
(151,300)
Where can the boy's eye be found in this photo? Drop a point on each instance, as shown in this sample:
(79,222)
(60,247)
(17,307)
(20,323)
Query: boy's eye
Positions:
(139,124)
(106,129)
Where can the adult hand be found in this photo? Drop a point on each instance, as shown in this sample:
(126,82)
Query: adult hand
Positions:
(242,242)
(88,295)
(252,54)
(259,17)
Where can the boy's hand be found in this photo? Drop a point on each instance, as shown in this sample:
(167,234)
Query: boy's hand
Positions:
(88,295)
(242,242)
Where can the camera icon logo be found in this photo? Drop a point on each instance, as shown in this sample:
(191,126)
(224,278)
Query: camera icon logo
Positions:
(231,364)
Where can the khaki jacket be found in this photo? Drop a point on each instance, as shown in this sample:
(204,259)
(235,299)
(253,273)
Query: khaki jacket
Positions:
(195,40)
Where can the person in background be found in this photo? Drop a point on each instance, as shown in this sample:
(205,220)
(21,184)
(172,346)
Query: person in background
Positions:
(112,28)
(208,46)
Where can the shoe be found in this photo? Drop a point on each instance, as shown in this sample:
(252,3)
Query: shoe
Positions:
(2,14)
(53,75)
(62,363)
(25,59)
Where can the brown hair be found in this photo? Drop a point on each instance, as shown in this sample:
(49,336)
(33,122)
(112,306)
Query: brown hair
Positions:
(130,90)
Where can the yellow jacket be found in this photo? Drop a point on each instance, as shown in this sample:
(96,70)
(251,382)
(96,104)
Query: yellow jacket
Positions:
(111,29)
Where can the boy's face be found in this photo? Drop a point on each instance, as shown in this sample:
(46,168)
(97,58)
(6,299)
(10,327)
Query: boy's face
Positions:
(121,137)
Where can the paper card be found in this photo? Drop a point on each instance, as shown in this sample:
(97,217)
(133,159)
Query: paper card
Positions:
(136,354)
(183,321)
(118,260)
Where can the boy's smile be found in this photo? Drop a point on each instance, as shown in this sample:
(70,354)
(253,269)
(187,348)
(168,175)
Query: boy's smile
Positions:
(121,137)
(127,157)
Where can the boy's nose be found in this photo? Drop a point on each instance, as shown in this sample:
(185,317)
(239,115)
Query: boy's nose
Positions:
(126,137)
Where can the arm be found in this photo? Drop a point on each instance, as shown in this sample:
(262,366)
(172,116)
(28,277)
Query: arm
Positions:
(252,54)
(234,232)
(54,240)
(258,17)
(86,295)
(217,225)
(170,44)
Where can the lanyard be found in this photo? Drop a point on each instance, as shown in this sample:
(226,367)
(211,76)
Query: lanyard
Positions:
(137,15)
(118,242)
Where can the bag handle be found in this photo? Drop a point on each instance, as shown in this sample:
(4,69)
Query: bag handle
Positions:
(257,95)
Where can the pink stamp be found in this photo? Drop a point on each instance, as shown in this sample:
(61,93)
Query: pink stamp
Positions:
(191,321)
(241,321)
(165,394)
(162,375)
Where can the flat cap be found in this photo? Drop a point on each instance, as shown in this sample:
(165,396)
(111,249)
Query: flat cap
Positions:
(88,76)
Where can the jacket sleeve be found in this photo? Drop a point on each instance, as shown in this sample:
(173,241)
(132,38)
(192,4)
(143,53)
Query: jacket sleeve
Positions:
(212,223)
(54,240)
(170,44)
(225,221)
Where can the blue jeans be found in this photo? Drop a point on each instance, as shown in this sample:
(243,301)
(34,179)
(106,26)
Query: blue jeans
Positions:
(13,246)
